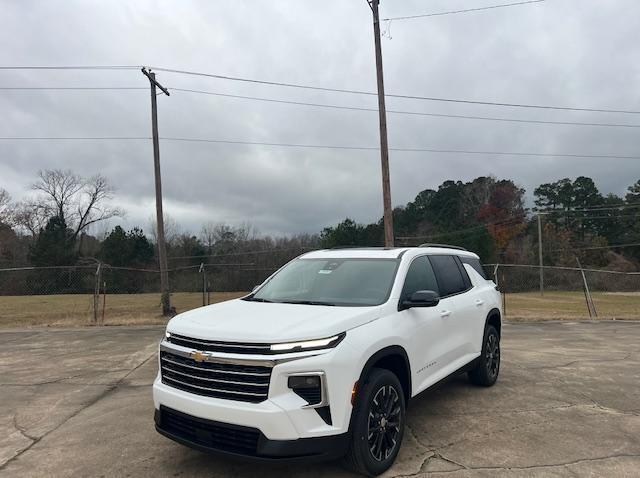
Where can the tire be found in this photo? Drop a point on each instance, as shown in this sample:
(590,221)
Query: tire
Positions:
(376,432)
(487,368)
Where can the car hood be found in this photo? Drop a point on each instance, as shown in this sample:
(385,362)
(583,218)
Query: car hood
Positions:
(244,321)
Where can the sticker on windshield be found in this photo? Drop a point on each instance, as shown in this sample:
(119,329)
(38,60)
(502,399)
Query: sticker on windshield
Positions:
(324,271)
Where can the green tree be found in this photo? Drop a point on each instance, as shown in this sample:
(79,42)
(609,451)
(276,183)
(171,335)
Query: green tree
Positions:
(55,245)
(347,233)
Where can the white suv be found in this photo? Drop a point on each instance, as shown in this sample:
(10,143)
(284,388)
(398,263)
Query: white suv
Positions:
(320,360)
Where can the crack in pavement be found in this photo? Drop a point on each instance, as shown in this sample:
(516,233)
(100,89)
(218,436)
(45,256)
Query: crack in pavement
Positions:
(550,465)
(573,362)
(92,402)
(22,431)
(436,453)
(63,379)
(505,412)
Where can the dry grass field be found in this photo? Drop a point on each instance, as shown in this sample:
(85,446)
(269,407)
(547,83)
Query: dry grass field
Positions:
(571,305)
(143,309)
(74,310)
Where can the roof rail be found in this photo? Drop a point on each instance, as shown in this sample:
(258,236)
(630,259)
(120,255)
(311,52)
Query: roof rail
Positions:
(369,248)
(444,246)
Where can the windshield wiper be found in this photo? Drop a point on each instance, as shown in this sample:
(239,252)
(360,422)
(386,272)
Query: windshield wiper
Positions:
(307,302)
(257,299)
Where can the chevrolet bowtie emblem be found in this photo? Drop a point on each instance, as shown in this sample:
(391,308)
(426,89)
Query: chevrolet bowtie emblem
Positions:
(199,356)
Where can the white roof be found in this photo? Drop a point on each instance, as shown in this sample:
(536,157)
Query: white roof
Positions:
(382,253)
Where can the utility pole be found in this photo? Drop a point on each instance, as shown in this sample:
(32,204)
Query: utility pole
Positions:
(162,248)
(540,254)
(382,112)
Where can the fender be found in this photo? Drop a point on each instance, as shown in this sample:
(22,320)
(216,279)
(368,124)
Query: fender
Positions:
(391,350)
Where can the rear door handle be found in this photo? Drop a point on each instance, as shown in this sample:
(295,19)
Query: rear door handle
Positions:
(479,302)
(445,313)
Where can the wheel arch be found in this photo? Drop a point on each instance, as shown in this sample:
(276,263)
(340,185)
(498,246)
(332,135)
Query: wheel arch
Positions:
(494,318)
(395,359)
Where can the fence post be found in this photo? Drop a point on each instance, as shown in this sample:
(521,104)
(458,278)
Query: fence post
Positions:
(104,300)
(587,295)
(96,293)
(203,271)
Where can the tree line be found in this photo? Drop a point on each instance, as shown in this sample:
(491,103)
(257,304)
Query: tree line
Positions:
(486,215)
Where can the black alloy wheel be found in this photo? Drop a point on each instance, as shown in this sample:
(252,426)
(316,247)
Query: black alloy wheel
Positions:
(384,422)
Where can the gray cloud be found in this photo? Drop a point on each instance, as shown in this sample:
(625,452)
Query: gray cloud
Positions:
(557,52)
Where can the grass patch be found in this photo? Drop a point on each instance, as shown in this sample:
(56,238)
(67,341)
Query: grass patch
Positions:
(75,310)
(572,305)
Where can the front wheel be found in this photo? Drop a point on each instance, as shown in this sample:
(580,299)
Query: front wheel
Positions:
(378,424)
(488,366)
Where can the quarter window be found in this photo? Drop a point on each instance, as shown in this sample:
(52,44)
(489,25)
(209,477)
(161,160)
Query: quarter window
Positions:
(475,263)
(420,276)
(449,276)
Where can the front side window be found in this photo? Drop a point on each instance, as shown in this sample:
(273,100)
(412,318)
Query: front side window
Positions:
(449,276)
(420,276)
(346,282)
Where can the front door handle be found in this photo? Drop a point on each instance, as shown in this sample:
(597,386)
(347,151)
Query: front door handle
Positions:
(479,302)
(445,313)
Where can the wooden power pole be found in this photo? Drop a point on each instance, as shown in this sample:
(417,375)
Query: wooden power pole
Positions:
(384,146)
(162,248)
(540,261)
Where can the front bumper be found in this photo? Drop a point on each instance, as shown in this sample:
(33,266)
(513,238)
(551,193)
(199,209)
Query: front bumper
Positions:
(244,442)
(283,416)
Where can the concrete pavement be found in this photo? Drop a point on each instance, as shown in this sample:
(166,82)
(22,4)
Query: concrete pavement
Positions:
(77,402)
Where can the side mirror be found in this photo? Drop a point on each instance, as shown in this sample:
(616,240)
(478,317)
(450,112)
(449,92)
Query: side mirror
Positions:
(421,298)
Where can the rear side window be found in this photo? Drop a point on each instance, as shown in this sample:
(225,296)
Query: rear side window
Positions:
(475,263)
(450,279)
(420,276)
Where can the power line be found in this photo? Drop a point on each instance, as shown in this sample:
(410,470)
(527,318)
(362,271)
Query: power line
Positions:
(74,138)
(468,10)
(595,208)
(611,246)
(320,146)
(588,218)
(412,97)
(505,223)
(320,88)
(324,105)
(415,113)
(70,88)
(245,253)
(72,67)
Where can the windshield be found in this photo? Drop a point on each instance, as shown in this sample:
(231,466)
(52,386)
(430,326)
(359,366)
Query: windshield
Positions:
(346,282)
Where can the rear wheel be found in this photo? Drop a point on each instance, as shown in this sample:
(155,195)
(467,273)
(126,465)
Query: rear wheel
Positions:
(488,366)
(378,424)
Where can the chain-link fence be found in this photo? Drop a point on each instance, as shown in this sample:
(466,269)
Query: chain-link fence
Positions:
(101,294)
(567,293)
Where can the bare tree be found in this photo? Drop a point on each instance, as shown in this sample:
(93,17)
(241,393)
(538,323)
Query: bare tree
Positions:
(6,213)
(172,230)
(30,216)
(80,201)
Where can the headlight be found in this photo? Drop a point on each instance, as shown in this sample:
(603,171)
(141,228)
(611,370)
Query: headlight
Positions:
(317,344)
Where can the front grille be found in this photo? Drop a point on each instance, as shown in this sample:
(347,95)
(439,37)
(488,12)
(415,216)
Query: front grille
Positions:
(245,383)
(218,436)
(217,346)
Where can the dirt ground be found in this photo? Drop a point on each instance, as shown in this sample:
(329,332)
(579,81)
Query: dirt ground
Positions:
(77,402)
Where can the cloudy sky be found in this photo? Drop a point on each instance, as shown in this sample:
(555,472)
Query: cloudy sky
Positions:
(560,52)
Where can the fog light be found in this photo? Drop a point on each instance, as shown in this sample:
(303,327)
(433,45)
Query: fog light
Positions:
(308,387)
(302,381)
